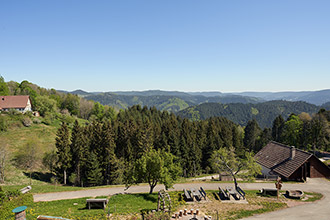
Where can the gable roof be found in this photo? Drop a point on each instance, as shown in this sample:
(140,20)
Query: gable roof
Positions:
(19,101)
(276,156)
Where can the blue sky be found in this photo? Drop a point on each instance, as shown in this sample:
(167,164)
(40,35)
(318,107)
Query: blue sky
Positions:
(184,45)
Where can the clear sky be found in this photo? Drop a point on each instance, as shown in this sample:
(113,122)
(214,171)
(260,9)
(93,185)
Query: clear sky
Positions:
(184,45)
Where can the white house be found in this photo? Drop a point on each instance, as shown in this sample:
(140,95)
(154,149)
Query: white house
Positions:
(21,103)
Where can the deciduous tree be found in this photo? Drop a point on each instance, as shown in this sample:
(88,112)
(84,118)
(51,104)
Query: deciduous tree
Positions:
(156,167)
(225,160)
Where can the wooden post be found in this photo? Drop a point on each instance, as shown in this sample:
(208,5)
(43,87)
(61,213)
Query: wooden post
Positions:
(278,185)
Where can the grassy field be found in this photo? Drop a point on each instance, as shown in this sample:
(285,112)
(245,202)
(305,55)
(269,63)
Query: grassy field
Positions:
(130,206)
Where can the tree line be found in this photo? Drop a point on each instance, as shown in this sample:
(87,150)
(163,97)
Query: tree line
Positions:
(108,151)
(52,104)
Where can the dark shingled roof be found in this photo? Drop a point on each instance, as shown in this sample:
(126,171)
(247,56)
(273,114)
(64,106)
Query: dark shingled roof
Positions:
(276,156)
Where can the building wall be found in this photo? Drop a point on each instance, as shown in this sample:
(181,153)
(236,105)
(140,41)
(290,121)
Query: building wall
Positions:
(298,174)
(318,169)
(28,107)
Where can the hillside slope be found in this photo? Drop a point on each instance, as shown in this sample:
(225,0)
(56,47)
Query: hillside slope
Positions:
(169,101)
(239,113)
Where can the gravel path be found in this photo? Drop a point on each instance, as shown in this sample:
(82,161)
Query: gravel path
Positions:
(317,210)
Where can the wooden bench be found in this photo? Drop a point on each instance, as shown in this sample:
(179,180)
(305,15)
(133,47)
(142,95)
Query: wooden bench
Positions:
(223,195)
(187,195)
(203,193)
(195,193)
(97,202)
(241,192)
(232,192)
(26,189)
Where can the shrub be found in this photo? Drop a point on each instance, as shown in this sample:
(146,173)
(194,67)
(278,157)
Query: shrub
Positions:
(3,123)
(36,121)
(49,118)
(27,122)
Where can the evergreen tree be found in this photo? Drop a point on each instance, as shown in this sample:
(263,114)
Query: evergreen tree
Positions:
(319,134)
(107,152)
(63,149)
(252,132)
(78,150)
(265,137)
(93,174)
(277,128)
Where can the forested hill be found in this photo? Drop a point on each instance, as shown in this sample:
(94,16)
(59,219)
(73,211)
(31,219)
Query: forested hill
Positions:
(162,100)
(264,113)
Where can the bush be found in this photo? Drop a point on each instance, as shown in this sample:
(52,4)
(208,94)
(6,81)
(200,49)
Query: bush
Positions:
(3,123)
(68,119)
(27,122)
(36,121)
(49,118)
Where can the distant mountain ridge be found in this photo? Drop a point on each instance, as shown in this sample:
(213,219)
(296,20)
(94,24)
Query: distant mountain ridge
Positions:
(314,97)
(175,101)
(264,113)
(162,100)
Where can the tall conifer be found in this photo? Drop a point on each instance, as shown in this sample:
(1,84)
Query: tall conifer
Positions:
(63,149)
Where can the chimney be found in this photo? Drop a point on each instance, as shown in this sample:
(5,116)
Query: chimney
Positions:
(292,152)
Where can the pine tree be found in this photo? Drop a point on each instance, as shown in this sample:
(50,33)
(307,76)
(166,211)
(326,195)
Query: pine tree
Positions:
(78,148)
(252,132)
(277,128)
(93,170)
(63,149)
(107,152)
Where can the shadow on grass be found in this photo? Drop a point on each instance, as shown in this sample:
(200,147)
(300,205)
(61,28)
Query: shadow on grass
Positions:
(45,177)
(147,196)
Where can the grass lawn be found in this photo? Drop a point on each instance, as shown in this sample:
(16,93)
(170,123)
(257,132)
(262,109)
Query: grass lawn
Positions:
(120,205)
(71,208)
(129,206)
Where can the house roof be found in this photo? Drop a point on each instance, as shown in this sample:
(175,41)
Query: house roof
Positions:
(19,101)
(276,156)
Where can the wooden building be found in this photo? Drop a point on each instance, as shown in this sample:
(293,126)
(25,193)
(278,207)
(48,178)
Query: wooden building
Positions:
(290,163)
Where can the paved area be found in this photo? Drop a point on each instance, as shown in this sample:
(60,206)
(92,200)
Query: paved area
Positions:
(318,210)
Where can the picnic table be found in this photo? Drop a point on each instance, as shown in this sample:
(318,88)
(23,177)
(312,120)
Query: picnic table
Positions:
(195,193)
(232,192)
(223,195)
(97,202)
(187,195)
